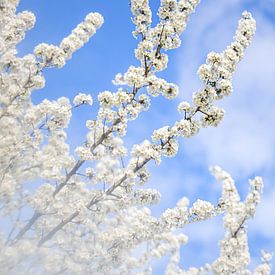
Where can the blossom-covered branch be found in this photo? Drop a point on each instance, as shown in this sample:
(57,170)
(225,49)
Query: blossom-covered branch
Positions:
(88,212)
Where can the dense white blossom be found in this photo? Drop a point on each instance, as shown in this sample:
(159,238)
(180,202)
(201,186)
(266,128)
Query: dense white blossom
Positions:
(88,212)
(52,55)
(83,99)
(202,209)
(183,106)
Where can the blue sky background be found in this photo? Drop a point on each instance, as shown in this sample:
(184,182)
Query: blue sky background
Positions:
(242,145)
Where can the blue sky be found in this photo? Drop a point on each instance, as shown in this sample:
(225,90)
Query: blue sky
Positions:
(242,145)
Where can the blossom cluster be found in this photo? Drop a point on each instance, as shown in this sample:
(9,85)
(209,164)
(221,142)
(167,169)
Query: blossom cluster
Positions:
(216,76)
(234,255)
(88,212)
(51,55)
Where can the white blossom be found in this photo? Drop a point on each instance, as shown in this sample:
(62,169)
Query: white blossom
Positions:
(86,211)
(83,99)
(202,209)
(183,106)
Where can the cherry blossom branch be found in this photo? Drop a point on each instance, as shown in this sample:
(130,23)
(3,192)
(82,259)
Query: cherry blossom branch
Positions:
(94,201)
(79,163)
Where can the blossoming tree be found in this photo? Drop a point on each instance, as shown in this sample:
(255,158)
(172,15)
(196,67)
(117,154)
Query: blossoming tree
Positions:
(88,213)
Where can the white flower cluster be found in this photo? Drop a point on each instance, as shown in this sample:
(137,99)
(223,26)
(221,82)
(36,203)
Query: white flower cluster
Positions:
(13,28)
(8,7)
(83,99)
(178,216)
(146,196)
(124,105)
(234,248)
(145,151)
(202,209)
(217,77)
(89,210)
(142,16)
(81,34)
(217,73)
(265,267)
(51,55)
(57,113)
(183,107)
(173,16)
